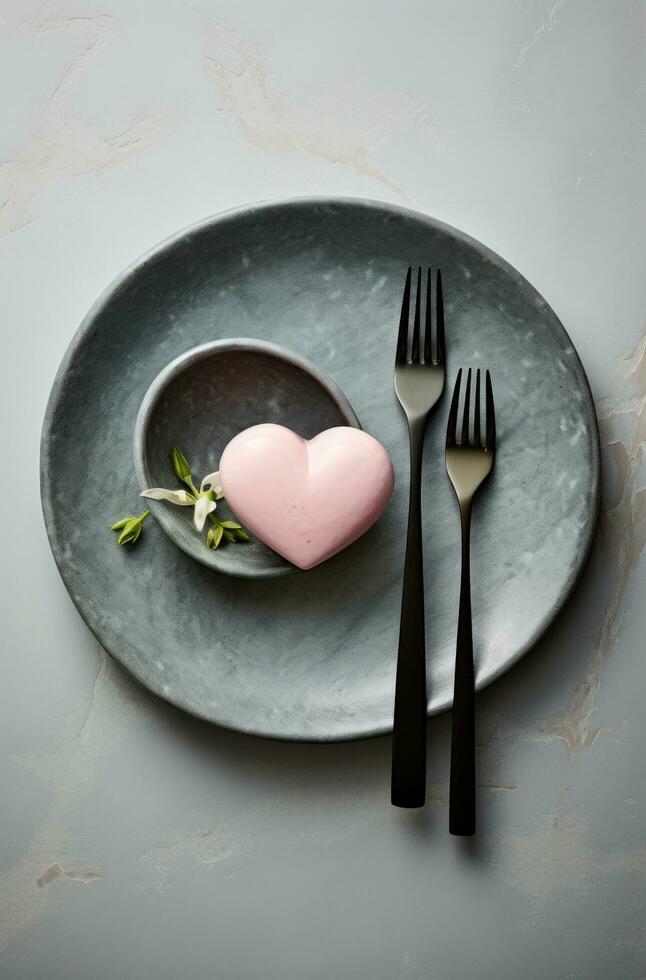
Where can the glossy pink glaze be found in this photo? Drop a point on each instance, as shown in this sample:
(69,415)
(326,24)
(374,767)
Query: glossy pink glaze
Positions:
(306,500)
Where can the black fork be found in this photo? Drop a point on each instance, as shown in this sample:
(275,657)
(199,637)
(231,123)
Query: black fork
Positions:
(469,461)
(419,382)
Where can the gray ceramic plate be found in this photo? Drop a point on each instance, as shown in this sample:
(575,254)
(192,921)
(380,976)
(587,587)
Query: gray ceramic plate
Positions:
(201,401)
(312,656)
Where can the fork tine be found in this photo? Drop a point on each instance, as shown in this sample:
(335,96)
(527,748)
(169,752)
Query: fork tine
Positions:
(490,439)
(416,323)
(439,316)
(464,441)
(477,437)
(428,330)
(402,338)
(452,424)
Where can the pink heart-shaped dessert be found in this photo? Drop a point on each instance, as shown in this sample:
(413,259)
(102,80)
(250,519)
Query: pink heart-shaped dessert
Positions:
(306,500)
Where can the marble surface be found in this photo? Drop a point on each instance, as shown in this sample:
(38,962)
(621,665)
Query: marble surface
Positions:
(137,842)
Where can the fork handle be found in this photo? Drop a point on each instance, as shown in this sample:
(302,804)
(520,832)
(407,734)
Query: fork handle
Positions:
(462,799)
(408,780)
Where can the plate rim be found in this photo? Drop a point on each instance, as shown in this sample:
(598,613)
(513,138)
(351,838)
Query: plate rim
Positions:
(85,329)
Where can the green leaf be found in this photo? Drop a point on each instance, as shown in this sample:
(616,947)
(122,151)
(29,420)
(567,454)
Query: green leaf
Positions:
(181,465)
(214,537)
(130,528)
(241,535)
(131,532)
(229,535)
(231,524)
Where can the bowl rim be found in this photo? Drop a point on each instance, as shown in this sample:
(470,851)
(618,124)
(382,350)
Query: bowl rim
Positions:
(207,556)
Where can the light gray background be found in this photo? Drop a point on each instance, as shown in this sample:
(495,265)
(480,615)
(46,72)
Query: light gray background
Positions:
(138,843)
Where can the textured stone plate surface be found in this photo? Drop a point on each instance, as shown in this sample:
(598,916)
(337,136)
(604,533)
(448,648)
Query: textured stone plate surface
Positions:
(200,401)
(312,656)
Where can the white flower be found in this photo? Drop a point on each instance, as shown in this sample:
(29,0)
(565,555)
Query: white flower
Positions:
(203,507)
(211,482)
(203,503)
(180,497)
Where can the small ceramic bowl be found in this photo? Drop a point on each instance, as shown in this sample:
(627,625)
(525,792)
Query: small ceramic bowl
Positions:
(204,398)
